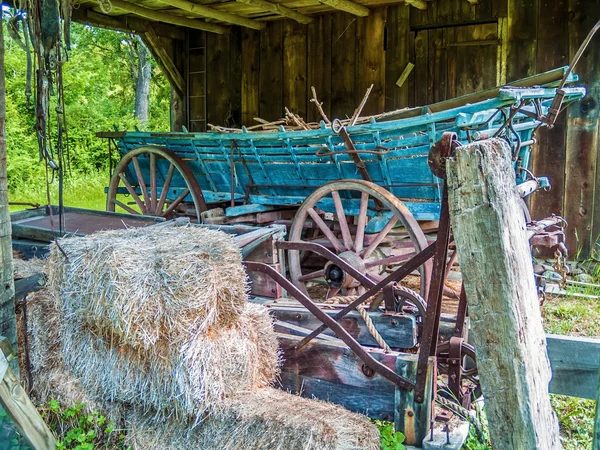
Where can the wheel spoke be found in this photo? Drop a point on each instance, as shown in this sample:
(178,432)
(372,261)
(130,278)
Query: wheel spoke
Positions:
(141,181)
(312,275)
(341,215)
(359,238)
(326,231)
(389,260)
(176,202)
(133,194)
(380,237)
(165,189)
(153,183)
(124,206)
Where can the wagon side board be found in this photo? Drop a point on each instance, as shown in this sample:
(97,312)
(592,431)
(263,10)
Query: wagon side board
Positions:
(328,370)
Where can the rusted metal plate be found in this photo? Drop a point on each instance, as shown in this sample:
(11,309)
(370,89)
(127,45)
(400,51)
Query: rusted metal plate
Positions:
(39,225)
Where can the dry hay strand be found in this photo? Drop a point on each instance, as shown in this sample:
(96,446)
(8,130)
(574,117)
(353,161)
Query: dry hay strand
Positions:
(268,419)
(188,381)
(51,379)
(23,268)
(152,287)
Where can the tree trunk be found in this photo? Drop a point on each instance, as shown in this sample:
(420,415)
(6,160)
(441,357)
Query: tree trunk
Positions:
(142,85)
(8,318)
(507,331)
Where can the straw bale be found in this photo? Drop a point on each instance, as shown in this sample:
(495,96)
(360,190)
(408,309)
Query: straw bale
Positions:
(51,379)
(188,381)
(268,419)
(152,288)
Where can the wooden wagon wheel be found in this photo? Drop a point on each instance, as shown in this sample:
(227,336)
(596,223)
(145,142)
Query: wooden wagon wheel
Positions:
(348,237)
(164,167)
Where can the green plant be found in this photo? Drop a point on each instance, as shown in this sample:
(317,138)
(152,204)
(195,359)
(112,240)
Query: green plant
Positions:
(390,439)
(76,428)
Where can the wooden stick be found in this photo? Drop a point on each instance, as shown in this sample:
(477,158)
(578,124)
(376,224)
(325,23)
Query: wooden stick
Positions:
(20,409)
(358,110)
(296,119)
(279,9)
(169,18)
(348,6)
(319,105)
(506,322)
(211,13)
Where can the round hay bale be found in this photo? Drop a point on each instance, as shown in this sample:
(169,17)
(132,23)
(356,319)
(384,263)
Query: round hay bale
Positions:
(190,380)
(265,419)
(150,286)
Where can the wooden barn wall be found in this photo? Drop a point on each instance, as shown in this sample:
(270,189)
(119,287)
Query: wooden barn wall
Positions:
(456,48)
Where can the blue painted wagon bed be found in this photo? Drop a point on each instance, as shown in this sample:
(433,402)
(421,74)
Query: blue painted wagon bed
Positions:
(357,189)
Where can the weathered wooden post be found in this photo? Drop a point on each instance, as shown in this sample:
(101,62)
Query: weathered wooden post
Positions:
(494,256)
(8,318)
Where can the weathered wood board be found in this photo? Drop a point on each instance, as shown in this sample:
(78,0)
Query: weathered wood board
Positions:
(506,323)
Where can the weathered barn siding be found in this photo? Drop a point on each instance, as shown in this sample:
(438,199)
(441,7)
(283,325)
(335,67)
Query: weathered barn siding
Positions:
(456,47)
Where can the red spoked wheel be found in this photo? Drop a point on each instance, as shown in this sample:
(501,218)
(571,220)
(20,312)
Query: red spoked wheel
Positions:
(158,181)
(363,224)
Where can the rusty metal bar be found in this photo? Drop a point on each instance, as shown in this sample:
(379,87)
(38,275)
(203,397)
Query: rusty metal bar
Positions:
(434,302)
(340,332)
(397,275)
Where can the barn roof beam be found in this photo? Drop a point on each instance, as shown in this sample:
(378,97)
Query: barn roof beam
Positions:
(347,6)
(279,9)
(419,4)
(211,13)
(160,16)
(127,23)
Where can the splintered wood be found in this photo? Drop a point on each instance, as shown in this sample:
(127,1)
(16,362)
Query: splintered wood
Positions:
(495,259)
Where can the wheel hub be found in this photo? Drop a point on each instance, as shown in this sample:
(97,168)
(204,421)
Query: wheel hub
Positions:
(335,275)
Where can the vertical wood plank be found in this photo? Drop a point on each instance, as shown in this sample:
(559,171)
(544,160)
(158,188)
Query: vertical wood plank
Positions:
(581,173)
(412,418)
(438,66)
(522,34)
(8,318)
(370,64)
(271,72)
(319,64)
(596,441)
(548,156)
(250,75)
(217,78)
(295,68)
(234,78)
(343,70)
(421,68)
(397,56)
(178,101)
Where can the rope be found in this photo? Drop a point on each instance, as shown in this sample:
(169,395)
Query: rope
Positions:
(362,310)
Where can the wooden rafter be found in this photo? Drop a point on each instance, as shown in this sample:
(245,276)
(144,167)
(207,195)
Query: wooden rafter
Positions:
(419,4)
(164,60)
(211,13)
(276,8)
(169,18)
(126,23)
(347,6)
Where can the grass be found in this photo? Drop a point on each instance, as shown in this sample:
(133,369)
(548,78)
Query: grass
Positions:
(82,191)
(574,316)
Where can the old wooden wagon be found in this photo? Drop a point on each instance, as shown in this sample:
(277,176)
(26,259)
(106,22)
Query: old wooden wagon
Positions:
(350,195)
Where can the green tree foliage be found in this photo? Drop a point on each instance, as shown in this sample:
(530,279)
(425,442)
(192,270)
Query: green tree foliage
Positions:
(99,89)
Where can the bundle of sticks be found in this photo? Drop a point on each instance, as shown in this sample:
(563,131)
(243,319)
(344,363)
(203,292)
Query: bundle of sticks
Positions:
(293,122)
